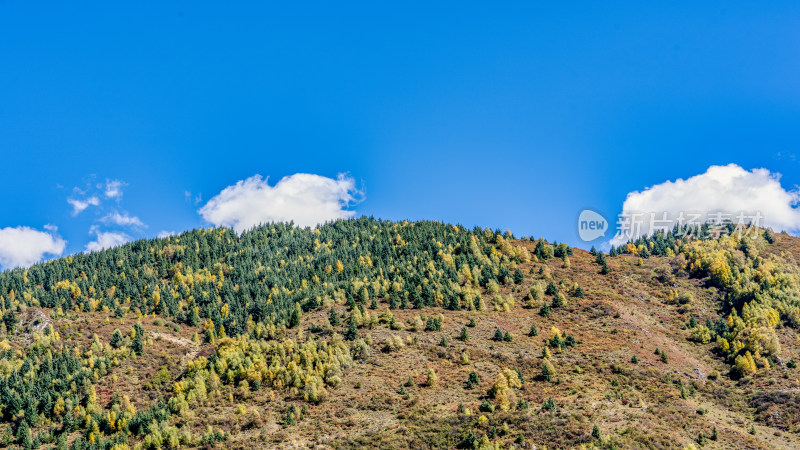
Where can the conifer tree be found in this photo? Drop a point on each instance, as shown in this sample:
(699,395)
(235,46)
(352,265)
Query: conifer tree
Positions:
(351,334)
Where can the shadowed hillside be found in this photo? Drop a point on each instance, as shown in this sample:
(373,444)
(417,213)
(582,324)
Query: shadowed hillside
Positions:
(404,335)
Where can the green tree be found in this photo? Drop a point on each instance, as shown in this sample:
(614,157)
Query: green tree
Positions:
(548,371)
(333,318)
(116,339)
(464,335)
(11,319)
(473,380)
(138,339)
(351,334)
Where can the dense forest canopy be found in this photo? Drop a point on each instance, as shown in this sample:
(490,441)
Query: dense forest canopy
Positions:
(251,285)
(266,271)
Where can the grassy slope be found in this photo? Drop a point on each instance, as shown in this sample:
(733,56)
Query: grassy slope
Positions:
(622,314)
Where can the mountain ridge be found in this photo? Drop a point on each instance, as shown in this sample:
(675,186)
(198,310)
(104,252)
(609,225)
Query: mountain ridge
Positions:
(375,333)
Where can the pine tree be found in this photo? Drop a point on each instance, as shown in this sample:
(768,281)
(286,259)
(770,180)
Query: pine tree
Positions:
(518,277)
(116,339)
(138,340)
(558,301)
(544,311)
(294,318)
(352,330)
(548,371)
(11,319)
(498,335)
(333,318)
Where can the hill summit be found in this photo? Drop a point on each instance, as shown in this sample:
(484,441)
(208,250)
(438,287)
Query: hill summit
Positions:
(370,333)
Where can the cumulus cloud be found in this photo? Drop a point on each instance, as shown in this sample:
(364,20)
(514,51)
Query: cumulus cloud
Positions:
(106,239)
(78,206)
(165,234)
(123,219)
(113,189)
(722,192)
(24,246)
(306,199)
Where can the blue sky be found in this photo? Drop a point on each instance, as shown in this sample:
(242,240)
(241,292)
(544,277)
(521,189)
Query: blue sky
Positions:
(510,116)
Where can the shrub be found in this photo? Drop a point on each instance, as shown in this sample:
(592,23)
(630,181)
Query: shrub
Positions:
(473,380)
(701,334)
(392,344)
(432,378)
(464,335)
(745,364)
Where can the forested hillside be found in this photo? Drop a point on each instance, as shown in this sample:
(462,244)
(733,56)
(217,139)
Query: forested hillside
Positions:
(374,333)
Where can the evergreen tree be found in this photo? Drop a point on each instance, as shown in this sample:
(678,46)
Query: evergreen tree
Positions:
(333,318)
(294,318)
(116,339)
(11,319)
(352,330)
(498,335)
(518,277)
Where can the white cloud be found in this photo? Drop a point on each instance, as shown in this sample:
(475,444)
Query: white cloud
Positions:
(113,189)
(166,234)
(730,190)
(307,199)
(105,240)
(79,205)
(123,219)
(24,246)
